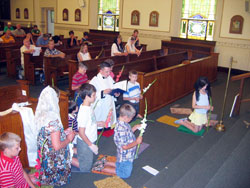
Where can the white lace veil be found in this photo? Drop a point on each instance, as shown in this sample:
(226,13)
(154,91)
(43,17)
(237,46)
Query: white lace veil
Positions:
(131,46)
(47,108)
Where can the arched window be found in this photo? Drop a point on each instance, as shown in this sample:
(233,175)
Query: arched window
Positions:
(153,19)
(77,15)
(26,13)
(135,17)
(198,19)
(17,13)
(108,15)
(65,15)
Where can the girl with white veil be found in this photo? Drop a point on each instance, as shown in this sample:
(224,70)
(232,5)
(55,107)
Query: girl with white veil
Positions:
(130,47)
(52,141)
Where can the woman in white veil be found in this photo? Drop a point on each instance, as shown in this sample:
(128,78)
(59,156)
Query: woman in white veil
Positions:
(130,47)
(52,141)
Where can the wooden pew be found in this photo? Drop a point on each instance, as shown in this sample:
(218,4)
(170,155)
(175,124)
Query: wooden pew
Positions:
(4,47)
(93,64)
(170,60)
(193,47)
(13,57)
(32,63)
(54,67)
(176,81)
(12,122)
(240,99)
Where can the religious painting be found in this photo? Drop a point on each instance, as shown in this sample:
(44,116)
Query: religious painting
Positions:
(17,13)
(236,24)
(26,13)
(65,15)
(153,19)
(77,15)
(135,17)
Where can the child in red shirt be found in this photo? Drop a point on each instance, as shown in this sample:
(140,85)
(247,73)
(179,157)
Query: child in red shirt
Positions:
(78,79)
(11,170)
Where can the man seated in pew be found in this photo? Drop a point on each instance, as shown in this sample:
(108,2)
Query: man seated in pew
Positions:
(72,41)
(105,101)
(43,40)
(117,48)
(12,173)
(83,54)
(27,48)
(30,38)
(130,47)
(135,35)
(19,32)
(85,39)
(57,40)
(7,38)
(8,27)
(133,94)
(35,31)
(79,78)
(51,51)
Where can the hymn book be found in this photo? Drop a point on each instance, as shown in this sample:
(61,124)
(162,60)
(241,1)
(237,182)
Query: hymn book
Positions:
(119,87)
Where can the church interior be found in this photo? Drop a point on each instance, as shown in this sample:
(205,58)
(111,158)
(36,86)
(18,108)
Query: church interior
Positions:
(180,41)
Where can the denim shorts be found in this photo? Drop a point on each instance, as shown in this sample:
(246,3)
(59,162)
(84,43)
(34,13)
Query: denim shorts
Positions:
(124,169)
(84,156)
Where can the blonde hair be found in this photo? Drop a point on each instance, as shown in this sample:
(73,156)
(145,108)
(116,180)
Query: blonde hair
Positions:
(127,110)
(8,140)
(82,46)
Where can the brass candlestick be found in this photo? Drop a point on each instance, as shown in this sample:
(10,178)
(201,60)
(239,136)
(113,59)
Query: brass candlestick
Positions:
(220,127)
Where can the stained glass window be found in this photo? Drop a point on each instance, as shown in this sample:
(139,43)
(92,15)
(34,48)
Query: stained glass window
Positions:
(108,15)
(198,19)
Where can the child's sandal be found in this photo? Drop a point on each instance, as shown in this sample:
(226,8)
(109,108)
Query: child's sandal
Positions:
(98,167)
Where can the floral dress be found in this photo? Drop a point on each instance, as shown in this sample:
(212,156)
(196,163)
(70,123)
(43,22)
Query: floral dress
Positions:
(56,165)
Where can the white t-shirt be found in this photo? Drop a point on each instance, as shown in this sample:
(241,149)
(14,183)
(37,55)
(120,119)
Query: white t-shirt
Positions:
(22,50)
(131,47)
(86,119)
(114,49)
(85,56)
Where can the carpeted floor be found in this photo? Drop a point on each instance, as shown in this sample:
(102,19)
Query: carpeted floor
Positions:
(181,158)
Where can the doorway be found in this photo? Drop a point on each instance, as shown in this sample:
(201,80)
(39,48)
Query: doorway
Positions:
(50,22)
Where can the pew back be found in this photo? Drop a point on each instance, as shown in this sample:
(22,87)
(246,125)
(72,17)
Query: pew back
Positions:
(171,60)
(176,81)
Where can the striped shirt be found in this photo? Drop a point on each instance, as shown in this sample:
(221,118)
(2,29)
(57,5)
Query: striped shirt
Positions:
(79,79)
(11,173)
(133,90)
(73,122)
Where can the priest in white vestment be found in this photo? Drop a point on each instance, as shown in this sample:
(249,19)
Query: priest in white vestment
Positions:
(104,103)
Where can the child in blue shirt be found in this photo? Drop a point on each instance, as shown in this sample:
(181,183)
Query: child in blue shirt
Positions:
(133,94)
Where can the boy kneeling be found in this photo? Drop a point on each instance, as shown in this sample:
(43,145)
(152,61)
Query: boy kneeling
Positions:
(126,143)
(11,170)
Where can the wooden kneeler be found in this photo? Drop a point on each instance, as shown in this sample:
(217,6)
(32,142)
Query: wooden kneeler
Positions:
(240,77)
